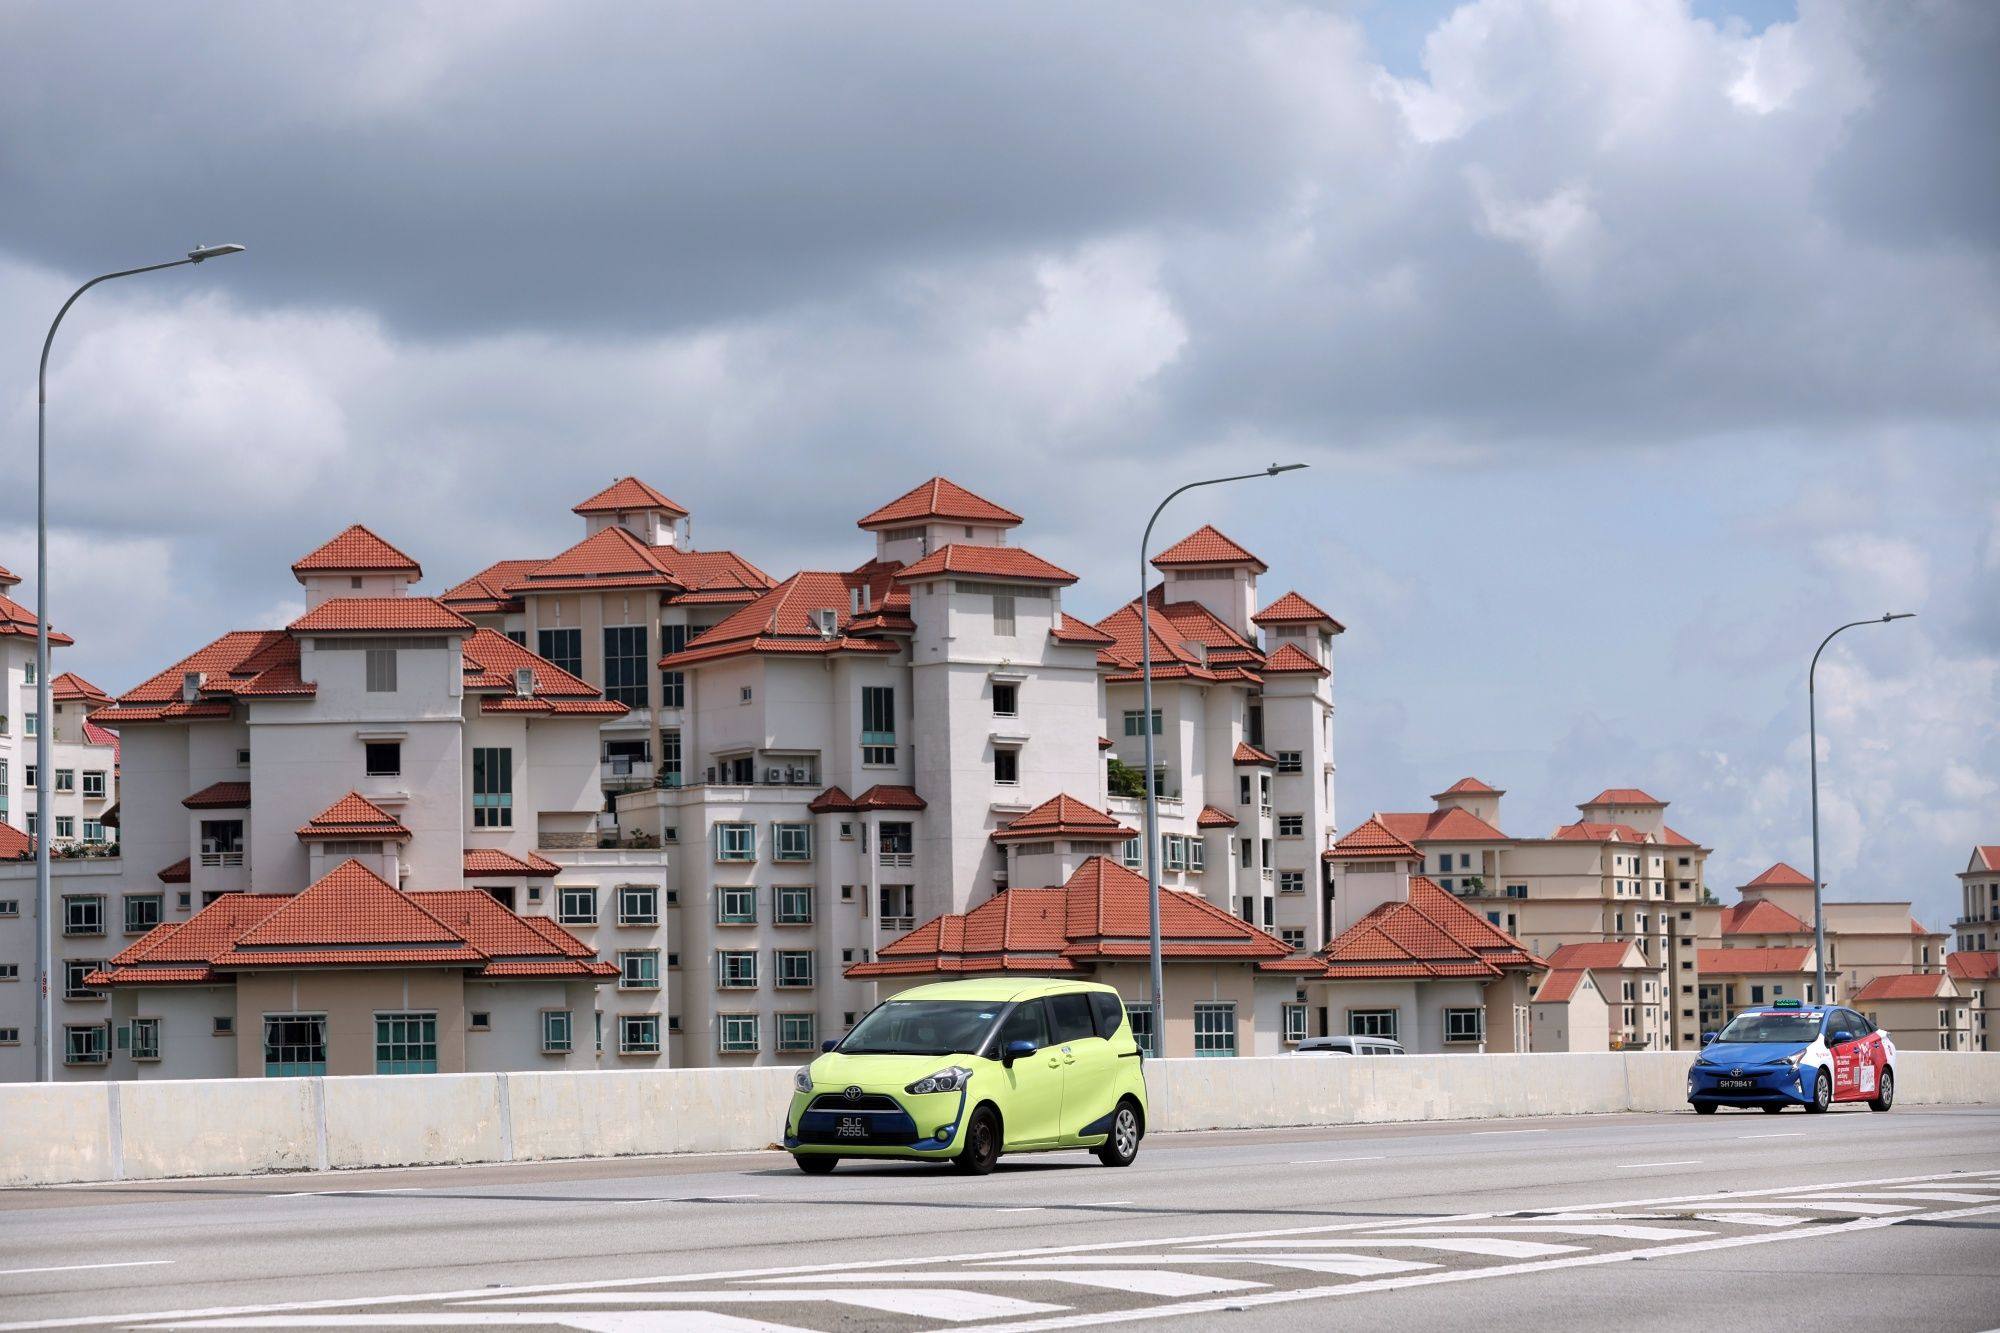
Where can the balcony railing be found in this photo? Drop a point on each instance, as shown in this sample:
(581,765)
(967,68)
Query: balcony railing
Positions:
(902,925)
(897,860)
(215,860)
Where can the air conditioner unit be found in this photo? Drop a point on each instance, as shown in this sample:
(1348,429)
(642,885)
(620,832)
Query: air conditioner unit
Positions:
(774,776)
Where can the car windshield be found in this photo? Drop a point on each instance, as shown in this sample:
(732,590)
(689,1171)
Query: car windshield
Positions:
(1795,1028)
(923,1027)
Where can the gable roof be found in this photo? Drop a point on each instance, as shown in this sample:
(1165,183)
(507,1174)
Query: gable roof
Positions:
(1292,609)
(1372,840)
(490,659)
(1214,817)
(353,816)
(1428,934)
(1984,857)
(1754,962)
(1063,816)
(781,620)
(608,558)
(491,589)
(1609,955)
(491,862)
(1468,787)
(379,615)
(1620,796)
(1450,824)
(1780,876)
(1008,564)
(1761,917)
(1207,545)
(938,498)
(356,550)
(1973,965)
(1906,986)
(14,844)
(628,495)
(1585,831)
(18,619)
(1290,657)
(1175,656)
(220,796)
(1560,985)
(240,664)
(72,688)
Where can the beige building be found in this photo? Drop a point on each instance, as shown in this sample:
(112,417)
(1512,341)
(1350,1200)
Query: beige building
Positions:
(1977,976)
(1625,980)
(1923,1011)
(1569,1013)
(1978,926)
(1736,978)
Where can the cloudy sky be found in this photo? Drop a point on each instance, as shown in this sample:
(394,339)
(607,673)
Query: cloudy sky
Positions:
(1633,343)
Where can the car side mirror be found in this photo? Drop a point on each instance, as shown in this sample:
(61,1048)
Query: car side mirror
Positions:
(1843,1035)
(1708,1037)
(828,1044)
(1017,1050)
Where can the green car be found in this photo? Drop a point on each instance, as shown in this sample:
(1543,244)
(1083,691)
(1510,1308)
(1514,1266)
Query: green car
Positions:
(965,1070)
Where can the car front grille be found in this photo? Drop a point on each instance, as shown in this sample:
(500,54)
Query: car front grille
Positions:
(867,1101)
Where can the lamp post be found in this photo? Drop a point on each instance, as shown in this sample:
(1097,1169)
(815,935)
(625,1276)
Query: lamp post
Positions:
(1812,748)
(1146,730)
(45,715)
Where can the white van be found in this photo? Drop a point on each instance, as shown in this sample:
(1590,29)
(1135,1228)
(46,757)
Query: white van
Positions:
(1349,1046)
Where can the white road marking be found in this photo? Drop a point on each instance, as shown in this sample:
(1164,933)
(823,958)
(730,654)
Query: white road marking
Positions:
(1483,1133)
(1754,1219)
(1031,1208)
(1117,1279)
(1939,1196)
(73,1268)
(1356,1265)
(1860,1209)
(1641,1166)
(947,1303)
(1488,1245)
(1782,1134)
(1616,1230)
(711,1198)
(1323,1161)
(338,1194)
(592,1321)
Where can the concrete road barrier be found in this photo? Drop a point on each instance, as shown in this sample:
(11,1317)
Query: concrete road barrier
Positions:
(65,1133)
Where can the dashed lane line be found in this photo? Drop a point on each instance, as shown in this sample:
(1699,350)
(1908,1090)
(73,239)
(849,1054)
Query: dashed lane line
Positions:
(75,1268)
(1644,1166)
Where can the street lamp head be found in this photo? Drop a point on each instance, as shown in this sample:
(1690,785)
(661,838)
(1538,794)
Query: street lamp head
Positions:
(201,252)
(1898,615)
(1276,468)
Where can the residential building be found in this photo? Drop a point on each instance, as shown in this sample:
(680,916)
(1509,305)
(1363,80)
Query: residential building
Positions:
(309,812)
(1569,1012)
(1864,940)
(843,754)
(1977,976)
(1627,982)
(1736,978)
(1978,926)
(1923,1011)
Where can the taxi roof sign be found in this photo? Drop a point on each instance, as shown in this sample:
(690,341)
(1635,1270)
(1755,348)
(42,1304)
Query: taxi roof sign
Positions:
(1786,1004)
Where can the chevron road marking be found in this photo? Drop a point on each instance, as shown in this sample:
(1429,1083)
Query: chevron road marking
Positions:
(1613,1230)
(946,1303)
(1144,1281)
(1354,1265)
(1492,1246)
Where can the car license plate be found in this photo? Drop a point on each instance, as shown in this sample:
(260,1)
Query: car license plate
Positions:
(851,1127)
(1735,1084)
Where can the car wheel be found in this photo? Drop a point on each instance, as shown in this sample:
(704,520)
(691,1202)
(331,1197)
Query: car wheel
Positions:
(1885,1092)
(1773,1110)
(815,1165)
(1704,1108)
(981,1147)
(1122,1144)
(1822,1093)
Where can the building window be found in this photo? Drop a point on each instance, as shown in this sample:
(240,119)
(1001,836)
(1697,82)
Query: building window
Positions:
(1464,1025)
(1133,727)
(557,1031)
(1371,1023)
(1006,766)
(1173,851)
(878,724)
(736,905)
(1129,854)
(564,647)
(145,1039)
(1291,826)
(142,912)
(1006,699)
(1291,881)
(31,726)
(1003,614)
(794,905)
(381,670)
(577,905)
(85,1043)
(638,1034)
(736,1034)
(479,1020)
(670,757)
(795,969)
(625,665)
(294,1044)
(1140,1016)
(736,969)
(10,907)
(406,1044)
(736,842)
(74,972)
(797,1032)
(65,781)
(898,904)
(673,684)
(93,830)
(638,905)
(1291,761)
(1295,937)
(65,828)
(1295,1024)
(792,842)
(1197,855)
(83,914)
(638,969)
(93,783)
(383,759)
(492,787)
(1215,1029)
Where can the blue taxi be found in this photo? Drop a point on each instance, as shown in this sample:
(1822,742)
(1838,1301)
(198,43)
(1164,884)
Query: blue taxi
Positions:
(1794,1054)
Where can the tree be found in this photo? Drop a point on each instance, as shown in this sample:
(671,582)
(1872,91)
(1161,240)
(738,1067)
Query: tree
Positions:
(1124,780)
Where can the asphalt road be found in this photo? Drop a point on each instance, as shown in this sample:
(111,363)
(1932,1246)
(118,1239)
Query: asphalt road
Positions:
(1639,1221)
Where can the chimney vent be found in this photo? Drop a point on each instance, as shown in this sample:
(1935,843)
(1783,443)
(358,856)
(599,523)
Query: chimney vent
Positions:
(191,683)
(524,682)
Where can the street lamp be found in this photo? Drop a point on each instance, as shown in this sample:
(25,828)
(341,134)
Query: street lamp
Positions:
(45,715)
(1812,747)
(1146,730)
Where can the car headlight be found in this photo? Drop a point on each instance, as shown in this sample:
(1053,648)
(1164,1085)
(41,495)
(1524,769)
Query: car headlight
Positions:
(945,1080)
(1793,1059)
(803,1079)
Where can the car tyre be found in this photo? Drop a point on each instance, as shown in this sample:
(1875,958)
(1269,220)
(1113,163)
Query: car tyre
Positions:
(981,1146)
(815,1165)
(1774,1109)
(1121,1145)
(1822,1094)
(1885,1092)
(1704,1108)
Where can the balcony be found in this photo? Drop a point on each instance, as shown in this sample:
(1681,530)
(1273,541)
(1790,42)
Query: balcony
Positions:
(896,860)
(625,774)
(898,925)
(218,860)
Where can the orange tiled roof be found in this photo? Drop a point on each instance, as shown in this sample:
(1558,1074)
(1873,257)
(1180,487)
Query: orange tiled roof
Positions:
(1428,934)
(1672,837)
(1373,839)
(1780,876)
(939,498)
(242,663)
(608,558)
(1207,546)
(1761,918)
(1451,824)
(8,578)
(1754,962)
(491,590)
(782,620)
(1620,796)
(490,861)
(18,619)
(72,688)
(372,615)
(1584,831)
(354,816)
(884,796)
(1905,986)
(178,872)
(1212,817)
(1609,955)
(1559,986)
(1469,787)
(1289,657)
(1989,855)
(1246,753)
(356,550)
(1292,609)
(1175,656)
(1973,965)
(220,796)
(831,801)
(96,735)
(1007,563)
(490,659)
(628,495)
(1064,816)
(14,844)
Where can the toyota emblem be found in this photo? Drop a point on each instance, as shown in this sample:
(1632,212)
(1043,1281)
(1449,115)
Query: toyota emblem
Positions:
(852,1094)
(1734,1073)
